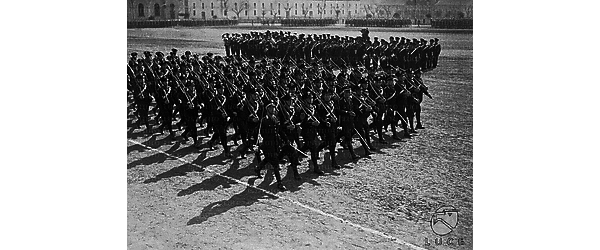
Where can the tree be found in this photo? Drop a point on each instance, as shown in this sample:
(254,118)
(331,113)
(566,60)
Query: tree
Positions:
(321,8)
(305,10)
(238,8)
(274,13)
(264,12)
(287,11)
(384,10)
(370,10)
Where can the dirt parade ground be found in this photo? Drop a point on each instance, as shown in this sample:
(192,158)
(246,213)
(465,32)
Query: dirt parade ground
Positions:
(183,197)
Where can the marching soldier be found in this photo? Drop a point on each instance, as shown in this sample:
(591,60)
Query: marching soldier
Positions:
(418,96)
(347,106)
(164,101)
(309,124)
(191,106)
(271,143)
(219,118)
(378,94)
(249,120)
(289,123)
(142,100)
(363,111)
(327,114)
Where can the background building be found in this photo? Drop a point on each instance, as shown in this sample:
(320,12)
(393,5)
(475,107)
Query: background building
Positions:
(274,9)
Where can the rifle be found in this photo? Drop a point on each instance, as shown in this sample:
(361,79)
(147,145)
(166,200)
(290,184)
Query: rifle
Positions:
(179,84)
(362,140)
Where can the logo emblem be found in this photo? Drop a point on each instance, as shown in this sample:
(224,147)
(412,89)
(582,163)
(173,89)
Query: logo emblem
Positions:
(444,220)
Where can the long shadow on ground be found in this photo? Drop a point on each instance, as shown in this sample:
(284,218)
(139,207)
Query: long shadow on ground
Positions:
(219,180)
(246,198)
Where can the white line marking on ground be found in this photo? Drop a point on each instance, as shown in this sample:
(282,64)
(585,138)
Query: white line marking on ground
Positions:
(316,210)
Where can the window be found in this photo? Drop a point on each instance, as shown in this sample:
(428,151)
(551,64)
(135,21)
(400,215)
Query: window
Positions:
(342,12)
(212,5)
(140,9)
(263,5)
(202,5)
(271,5)
(194,12)
(355,12)
(212,13)
(245,12)
(193,5)
(278,6)
(225,12)
(296,5)
(156,10)
(295,12)
(310,6)
(255,12)
(255,5)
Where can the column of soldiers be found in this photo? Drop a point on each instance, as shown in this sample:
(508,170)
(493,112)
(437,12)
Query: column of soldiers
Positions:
(375,22)
(414,55)
(280,104)
(452,23)
(308,22)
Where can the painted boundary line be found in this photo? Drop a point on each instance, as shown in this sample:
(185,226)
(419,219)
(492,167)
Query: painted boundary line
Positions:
(316,210)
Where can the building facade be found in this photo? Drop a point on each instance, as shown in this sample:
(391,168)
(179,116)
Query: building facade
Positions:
(276,9)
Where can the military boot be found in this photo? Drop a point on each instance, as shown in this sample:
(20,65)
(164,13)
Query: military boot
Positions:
(316,169)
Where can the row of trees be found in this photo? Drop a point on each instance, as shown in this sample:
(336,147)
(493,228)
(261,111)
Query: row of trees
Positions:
(423,7)
(244,5)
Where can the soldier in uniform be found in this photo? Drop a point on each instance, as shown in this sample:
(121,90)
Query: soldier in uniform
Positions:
(219,118)
(271,143)
(436,52)
(227,43)
(191,106)
(347,115)
(310,123)
(164,101)
(133,60)
(379,95)
(362,114)
(142,100)
(289,133)
(249,120)
(418,93)
(327,114)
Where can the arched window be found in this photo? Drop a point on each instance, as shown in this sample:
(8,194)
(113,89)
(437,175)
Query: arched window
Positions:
(140,10)
(156,10)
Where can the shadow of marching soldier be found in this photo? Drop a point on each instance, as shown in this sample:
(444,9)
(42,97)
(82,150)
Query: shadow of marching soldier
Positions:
(246,198)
